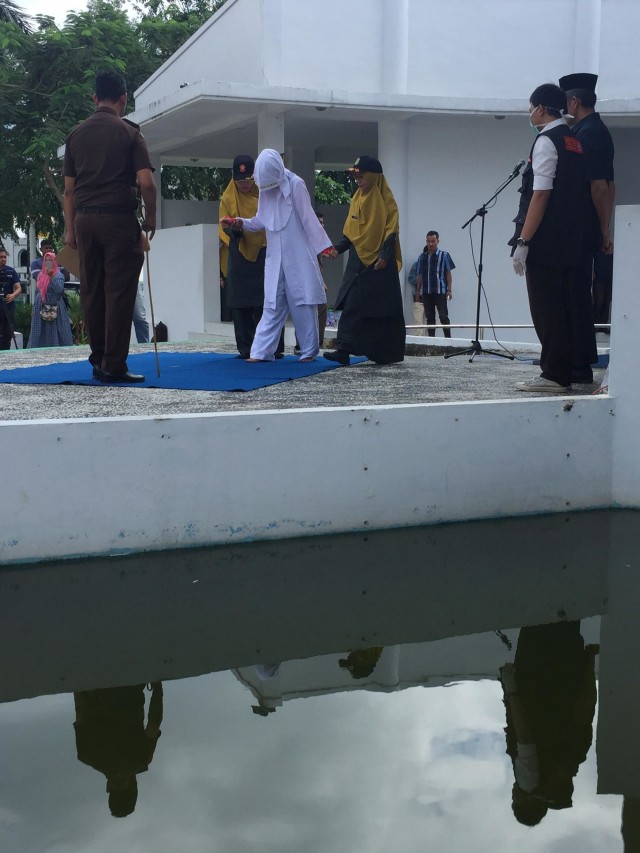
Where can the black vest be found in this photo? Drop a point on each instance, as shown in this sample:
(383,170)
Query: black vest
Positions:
(562,237)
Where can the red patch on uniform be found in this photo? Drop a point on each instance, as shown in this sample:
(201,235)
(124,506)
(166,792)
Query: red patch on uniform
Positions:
(572,144)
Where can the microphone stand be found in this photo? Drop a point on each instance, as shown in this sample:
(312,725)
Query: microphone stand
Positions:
(475,348)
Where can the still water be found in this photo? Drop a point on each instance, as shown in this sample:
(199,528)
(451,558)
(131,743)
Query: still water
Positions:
(329,695)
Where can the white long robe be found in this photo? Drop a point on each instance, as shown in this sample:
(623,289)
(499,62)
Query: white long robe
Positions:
(294,250)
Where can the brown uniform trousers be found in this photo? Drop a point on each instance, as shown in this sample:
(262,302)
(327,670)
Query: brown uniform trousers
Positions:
(111,258)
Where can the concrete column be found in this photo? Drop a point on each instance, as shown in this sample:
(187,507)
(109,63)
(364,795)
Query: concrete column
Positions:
(393,137)
(271,131)
(33,254)
(618,733)
(302,161)
(587,33)
(395,46)
(623,380)
(157,178)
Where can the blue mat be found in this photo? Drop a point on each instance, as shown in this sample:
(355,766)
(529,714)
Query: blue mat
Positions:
(186,371)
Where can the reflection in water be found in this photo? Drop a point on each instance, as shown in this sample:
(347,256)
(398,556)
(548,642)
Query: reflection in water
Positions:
(631,825)
(361,662)
(550,699)
(369,759)
(111,737)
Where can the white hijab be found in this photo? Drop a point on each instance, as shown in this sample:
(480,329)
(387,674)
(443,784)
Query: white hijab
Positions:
(274,182)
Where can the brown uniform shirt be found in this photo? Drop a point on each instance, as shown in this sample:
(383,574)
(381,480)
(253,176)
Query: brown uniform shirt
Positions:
(103,155)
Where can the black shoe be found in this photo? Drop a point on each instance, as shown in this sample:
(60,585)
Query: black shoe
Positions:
(97,373)
(121,377)
(338,355)
(279,355)
(244,355)
(582,376)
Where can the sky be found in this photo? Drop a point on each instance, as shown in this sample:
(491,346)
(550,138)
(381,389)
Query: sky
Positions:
(58,8)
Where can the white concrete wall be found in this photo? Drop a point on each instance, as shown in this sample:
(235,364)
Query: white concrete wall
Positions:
(196,480)
(185,279)
(213,53)
(202,479)
(623,382)
(478,50)
(188,212)
(455,165)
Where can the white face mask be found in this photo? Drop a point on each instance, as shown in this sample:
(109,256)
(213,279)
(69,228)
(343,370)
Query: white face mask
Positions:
(535,127)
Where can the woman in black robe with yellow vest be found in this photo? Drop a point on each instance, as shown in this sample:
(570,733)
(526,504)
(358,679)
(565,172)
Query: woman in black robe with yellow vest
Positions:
(242,257)
(372,320)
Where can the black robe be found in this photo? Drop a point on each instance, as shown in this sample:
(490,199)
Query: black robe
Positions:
(372,320)
(245,279)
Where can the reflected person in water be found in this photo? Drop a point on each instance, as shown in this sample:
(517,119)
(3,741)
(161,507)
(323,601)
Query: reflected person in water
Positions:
(111,737)
(550,698)
(361,662)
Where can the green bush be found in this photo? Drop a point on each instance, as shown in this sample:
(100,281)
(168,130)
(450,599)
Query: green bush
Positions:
(23,320)
(75,318)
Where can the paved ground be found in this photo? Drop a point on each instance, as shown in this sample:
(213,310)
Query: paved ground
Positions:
(419,379)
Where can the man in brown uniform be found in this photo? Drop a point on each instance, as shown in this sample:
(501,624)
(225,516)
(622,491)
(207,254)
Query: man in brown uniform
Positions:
(104,157)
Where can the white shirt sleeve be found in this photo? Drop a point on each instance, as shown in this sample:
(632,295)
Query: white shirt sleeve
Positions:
(252,224)
(315,233)
(526,767)
(544,162)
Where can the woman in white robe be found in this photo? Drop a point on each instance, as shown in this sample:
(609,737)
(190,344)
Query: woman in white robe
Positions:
(292,278)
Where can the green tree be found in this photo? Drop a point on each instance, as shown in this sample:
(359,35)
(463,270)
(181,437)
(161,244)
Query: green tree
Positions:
(165,25)
(333,188)
(204,183)
(13,14)
(46,82)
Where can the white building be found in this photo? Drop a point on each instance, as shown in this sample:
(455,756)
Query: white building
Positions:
(438,91)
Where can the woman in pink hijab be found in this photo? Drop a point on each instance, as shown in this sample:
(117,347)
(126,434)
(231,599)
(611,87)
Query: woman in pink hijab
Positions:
(50,325)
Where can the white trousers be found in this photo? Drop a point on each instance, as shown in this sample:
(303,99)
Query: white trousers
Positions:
(418,319)
(305,321)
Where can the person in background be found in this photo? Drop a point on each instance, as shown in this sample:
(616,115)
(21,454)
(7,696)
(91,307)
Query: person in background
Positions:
(293,283)
(10,288)
(417,303)
(372,320)
(46,245)
(54,332)
(140,322)
(435,282)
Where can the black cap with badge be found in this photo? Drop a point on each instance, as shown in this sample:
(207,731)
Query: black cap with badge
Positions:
(365,163)
(243,167)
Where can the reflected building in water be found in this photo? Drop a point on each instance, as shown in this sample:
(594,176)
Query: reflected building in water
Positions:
(524,601)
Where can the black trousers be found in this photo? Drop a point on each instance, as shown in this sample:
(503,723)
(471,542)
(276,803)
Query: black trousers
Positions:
(245,323)
(585,351)
(7,323)
(111,258)
(551,302)
(432,301)
(602,287)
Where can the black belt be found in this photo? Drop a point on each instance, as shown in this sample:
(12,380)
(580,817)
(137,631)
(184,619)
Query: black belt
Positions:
(105,209)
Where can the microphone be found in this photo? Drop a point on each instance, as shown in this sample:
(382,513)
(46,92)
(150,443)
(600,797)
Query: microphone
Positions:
(516,168)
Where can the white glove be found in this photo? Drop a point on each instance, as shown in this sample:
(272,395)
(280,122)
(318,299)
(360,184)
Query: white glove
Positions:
(519,259)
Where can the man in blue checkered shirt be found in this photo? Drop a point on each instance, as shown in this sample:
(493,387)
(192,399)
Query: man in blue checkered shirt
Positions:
(434,282)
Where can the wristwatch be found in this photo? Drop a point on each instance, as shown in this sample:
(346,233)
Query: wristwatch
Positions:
(522,242)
